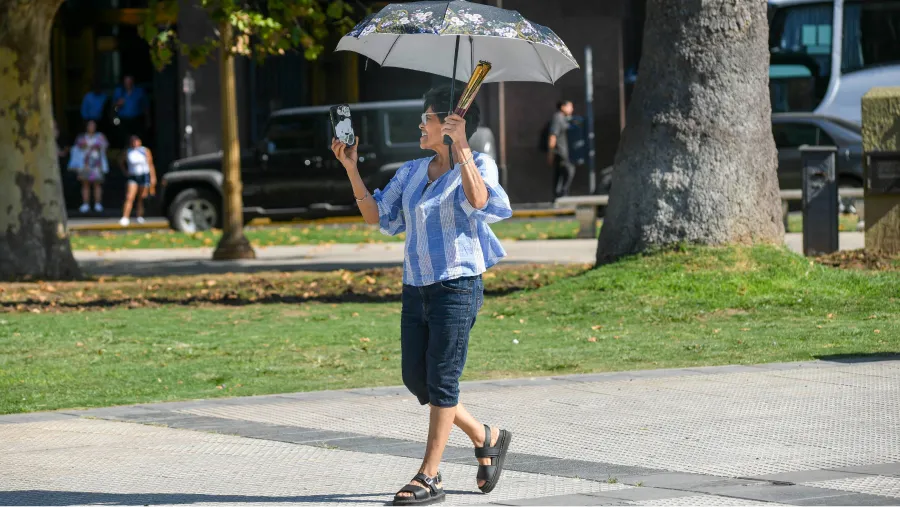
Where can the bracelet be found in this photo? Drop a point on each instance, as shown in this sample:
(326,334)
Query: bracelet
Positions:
(363,197)
(466,161)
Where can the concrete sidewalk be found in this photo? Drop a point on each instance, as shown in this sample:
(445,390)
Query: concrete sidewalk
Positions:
(814,433)
(182,261)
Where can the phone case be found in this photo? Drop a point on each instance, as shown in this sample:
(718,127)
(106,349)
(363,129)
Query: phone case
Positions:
(341,125)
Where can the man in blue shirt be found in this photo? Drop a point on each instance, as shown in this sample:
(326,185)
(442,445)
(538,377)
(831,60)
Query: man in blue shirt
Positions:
(92,105)
(132,109)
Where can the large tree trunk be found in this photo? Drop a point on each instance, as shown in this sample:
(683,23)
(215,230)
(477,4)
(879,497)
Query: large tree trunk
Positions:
(234,244)
(34,243)
(697,162)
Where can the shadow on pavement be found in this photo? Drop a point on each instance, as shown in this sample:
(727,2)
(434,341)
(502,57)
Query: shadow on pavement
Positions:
(43,497)
(168,268)
(860,358)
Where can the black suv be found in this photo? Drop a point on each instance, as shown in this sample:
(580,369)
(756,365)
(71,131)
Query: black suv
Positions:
(292,173)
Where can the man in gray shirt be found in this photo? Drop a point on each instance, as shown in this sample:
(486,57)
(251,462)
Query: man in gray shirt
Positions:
(558,149)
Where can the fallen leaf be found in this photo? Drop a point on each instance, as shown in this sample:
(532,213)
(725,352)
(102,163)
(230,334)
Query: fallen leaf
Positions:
(595,328)
(210,283)
(592,339)
(365,340)
(516,331)
(745,329)
(79,344)
(716,330)
(877,331)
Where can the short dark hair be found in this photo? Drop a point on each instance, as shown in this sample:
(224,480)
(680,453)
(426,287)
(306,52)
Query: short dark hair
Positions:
(561,103)
(438,99)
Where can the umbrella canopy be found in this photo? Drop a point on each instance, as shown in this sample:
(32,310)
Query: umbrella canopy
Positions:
(517,49)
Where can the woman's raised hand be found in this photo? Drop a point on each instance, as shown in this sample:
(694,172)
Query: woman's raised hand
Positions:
(346,155)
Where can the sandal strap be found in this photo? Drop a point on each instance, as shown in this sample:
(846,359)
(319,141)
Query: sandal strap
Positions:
(417,492)
(485,472)
(431,482)
(486,450)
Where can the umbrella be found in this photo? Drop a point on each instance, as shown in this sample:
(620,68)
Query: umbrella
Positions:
(517,49)
(418,35)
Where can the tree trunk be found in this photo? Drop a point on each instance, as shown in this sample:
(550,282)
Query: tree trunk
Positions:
(34,242)
(697,162)
(234,244)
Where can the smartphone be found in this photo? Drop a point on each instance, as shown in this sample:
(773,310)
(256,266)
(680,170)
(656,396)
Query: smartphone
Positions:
(340,124)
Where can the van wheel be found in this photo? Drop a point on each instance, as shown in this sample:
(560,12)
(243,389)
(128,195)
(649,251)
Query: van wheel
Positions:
(194,210)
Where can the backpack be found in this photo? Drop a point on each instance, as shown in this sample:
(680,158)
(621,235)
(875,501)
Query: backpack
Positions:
(545,138)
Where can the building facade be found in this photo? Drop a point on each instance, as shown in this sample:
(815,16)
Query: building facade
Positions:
(96,43)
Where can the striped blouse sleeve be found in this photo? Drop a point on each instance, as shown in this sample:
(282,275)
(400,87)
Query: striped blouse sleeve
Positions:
(497,207)
(390,202)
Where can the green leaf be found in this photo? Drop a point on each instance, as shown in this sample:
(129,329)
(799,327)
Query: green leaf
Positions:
(336,9)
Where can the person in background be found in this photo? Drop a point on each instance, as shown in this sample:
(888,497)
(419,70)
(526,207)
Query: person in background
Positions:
(93,103)
(137,163)
(88,159)
(132,108)
(558,149)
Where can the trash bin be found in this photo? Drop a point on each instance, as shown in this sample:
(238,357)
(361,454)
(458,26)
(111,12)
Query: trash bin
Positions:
(820,200)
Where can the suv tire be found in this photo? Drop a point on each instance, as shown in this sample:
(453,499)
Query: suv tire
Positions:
(195,210)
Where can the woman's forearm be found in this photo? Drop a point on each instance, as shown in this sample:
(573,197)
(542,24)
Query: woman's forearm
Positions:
(473,184)
(367,205)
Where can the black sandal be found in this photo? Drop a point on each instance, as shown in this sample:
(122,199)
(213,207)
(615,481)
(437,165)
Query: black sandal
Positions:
(490,474)
(419,495)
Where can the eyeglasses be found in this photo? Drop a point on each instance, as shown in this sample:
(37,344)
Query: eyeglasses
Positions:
(425,116)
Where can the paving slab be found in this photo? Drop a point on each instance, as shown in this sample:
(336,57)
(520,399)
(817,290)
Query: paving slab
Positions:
(799,433)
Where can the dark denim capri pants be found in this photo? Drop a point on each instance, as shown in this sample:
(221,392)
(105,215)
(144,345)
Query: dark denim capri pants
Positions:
(434,336)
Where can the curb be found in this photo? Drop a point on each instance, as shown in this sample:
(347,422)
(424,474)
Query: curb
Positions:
(163,224)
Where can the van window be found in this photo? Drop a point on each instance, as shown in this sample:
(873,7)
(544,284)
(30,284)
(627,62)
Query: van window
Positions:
(402,127)
(293,133)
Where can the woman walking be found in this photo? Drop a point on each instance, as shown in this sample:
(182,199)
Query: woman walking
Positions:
(88,159)
(445,211)
(141,178)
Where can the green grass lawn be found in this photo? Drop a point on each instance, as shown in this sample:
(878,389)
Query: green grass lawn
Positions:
(354,233)
(145,340)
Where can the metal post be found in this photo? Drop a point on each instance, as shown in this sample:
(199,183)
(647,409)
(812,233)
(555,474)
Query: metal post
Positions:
(820,200)
(589,116)
(188,87)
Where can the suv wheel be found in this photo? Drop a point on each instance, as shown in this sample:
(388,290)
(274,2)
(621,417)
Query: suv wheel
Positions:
(195,209)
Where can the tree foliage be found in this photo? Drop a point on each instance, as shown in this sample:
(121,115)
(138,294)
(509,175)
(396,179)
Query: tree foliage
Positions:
(261,28)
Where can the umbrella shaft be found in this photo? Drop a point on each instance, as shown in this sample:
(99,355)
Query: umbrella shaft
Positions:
(447,139)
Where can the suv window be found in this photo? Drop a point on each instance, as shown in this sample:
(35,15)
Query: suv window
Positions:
(794,135)
(402,127)
(293,133)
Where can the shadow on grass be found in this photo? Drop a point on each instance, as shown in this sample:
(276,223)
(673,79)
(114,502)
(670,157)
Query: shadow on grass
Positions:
(860,358)
(227,300)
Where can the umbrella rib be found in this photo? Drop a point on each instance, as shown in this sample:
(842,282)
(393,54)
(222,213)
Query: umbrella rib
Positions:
(386,55)
(552,81)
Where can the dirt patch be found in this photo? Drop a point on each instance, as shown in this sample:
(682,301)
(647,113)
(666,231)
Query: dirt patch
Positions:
(861,259)
(372,286)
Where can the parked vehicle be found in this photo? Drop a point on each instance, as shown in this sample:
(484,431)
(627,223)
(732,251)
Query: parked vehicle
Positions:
(291,172)
(793,130)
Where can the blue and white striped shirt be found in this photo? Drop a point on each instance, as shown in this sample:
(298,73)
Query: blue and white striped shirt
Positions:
(446,237)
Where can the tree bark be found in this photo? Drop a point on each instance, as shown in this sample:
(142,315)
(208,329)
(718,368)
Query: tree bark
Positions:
(34,242)
(234,244)
(697,162)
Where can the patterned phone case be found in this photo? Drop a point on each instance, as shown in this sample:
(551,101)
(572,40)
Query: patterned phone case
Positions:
(341,125)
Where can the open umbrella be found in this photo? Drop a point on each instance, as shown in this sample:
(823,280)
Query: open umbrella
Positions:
(425,35)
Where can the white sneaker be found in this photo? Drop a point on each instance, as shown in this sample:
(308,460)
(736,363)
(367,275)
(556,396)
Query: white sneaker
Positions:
(140,220)
(84,208)
(98,207)
(124,222)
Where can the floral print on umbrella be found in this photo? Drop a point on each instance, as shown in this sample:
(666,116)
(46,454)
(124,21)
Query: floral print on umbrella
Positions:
(457,18)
